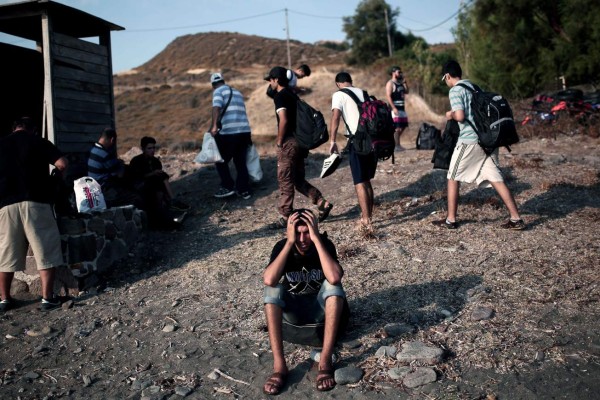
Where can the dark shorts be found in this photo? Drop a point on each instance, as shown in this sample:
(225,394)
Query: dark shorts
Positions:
(363,167)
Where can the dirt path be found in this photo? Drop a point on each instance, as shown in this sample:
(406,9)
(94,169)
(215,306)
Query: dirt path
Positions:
(189,302)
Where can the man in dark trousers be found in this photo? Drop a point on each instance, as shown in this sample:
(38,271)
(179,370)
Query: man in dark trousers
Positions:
(311,284)
(290,158)
(26,216)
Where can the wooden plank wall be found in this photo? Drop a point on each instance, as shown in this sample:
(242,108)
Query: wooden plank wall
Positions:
(82,92)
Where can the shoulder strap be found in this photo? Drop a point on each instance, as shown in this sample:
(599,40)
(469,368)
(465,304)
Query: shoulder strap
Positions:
(472,90)
(227,104)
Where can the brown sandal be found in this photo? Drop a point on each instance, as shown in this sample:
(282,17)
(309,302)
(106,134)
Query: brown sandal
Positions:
(324,210)
(276,380)
(322,376)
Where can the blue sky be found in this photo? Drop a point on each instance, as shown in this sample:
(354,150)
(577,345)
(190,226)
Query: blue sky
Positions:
(152,24)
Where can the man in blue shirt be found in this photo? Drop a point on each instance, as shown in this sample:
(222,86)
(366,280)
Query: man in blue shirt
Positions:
(231,130)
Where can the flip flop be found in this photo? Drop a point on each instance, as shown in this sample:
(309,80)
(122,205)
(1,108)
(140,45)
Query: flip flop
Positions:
(324,210)
(276,380)
(325,374)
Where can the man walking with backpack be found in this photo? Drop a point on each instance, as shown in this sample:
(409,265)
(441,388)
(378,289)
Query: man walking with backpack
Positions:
(290,157)
(470,163)
(363,167)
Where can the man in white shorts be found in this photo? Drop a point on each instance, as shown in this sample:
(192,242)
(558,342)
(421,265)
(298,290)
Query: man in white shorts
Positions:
(26,217)
(469,162)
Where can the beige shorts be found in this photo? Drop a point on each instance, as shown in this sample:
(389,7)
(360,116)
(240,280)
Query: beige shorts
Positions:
(29,224)
(470,164)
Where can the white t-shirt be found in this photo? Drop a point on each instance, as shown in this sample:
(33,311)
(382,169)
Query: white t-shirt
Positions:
(348,107)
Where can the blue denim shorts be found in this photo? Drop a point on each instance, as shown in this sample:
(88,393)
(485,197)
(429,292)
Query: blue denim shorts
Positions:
(278,295)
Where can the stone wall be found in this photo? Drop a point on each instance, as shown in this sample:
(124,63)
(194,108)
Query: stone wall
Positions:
(92,244)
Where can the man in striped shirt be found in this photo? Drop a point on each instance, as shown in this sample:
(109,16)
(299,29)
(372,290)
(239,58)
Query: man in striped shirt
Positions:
(470,163)
(231,130)
(108,171)
(103,164)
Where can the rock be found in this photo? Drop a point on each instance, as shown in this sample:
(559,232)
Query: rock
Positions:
(398,372)
(315,355)
(214,375)
(87,380)
(398,329)
(482,313)
(420,352)
(150,390)
(348,375)
(140,384)
(34,333)
(351,344)
(175,303)
(420,377)
(183,391)
(31,375)
(39,349)
(540,356)
(386,351)
(18,286)
(67,304)
(169,328)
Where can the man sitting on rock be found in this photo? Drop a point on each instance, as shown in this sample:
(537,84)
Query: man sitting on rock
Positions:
(310,292)
(152,183)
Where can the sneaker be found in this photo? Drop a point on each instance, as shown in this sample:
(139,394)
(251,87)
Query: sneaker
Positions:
(222,192)
(444,223)
(281,223)
(245,195)
(50,304)
(177,205)
(6,305)
(518,225)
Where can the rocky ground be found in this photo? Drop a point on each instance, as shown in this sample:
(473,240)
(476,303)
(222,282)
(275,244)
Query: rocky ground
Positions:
(499,314)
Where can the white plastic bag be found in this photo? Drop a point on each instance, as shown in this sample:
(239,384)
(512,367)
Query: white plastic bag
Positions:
(210,152)
(88,195)
(253,164)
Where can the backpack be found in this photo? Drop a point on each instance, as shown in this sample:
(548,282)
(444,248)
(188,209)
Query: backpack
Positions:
(375,131)
(311,129)
(444,145)
(493,119)
(427,136)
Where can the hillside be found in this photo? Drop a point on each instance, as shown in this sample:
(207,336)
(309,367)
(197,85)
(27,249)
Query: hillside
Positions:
(169,97)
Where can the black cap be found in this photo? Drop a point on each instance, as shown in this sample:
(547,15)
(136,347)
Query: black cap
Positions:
(278,73)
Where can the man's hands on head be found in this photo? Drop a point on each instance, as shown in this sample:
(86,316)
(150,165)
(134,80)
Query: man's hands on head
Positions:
(311,221)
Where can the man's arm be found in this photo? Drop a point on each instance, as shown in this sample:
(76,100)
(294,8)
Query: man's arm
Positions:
(331,268)
(216,112)
(61,164)
(389,87)
(275,269)
(281,128)
(336,115)
(457,115)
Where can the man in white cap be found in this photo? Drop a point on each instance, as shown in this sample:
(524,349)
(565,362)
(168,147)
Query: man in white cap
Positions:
(231,130)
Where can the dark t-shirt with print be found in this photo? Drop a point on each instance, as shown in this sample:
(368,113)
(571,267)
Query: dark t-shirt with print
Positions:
(303,274)
(25,161)
(286,99)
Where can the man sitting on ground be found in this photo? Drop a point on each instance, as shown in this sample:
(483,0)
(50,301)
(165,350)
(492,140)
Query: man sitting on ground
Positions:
(306,263)
(152,183)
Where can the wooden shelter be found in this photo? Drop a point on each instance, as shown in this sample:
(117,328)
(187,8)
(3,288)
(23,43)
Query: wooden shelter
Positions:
(65,84)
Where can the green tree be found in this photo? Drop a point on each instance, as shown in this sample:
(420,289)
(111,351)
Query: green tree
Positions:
(367,32)
(519,47)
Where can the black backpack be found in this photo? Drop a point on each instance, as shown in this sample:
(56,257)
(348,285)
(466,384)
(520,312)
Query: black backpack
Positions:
(445,144)
(493,119)
(375,131)
(311,129)
(427,136)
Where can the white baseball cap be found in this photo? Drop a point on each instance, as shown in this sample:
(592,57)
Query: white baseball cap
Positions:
(216,77)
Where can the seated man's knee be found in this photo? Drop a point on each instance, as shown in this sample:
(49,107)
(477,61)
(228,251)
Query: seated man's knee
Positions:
(328,290)
(274,295)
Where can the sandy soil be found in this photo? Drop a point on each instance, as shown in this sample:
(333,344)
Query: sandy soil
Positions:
(204,284)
